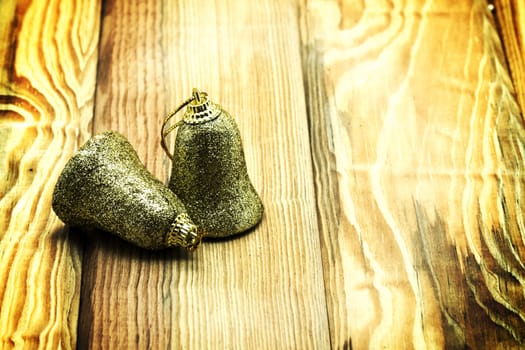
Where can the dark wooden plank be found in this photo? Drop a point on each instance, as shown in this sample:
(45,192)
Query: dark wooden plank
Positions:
(262,290)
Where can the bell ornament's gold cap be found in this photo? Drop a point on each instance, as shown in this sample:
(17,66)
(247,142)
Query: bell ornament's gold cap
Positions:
(200,109)
(184,233)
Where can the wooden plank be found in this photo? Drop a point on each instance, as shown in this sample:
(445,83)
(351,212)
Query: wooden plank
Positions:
(418,164)
(264,289)
(510,16)
(48,57)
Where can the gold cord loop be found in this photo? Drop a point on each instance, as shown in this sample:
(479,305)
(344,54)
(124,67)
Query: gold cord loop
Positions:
(163,133)
(197,96)
(203,111)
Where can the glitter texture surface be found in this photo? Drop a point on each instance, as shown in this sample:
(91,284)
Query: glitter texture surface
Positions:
(105,185)
(209,175)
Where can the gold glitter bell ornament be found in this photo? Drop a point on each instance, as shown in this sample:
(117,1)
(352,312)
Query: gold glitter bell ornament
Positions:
(209,170)
(104,185)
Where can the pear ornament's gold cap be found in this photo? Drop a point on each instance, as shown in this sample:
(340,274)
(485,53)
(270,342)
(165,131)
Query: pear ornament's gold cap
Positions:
(184,233)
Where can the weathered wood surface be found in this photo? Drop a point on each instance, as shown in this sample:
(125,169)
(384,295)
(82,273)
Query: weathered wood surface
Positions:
(384,139)
(510,15)
(418,154)
(48,57)
(262,290)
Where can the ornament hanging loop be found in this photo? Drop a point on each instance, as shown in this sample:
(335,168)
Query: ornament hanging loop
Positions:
(196,96)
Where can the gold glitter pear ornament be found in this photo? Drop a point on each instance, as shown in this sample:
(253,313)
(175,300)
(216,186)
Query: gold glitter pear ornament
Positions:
(104,185)
(209,171)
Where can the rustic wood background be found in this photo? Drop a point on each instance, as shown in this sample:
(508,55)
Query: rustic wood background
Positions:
(385,138)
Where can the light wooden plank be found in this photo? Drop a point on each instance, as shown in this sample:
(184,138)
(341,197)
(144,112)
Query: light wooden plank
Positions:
(418,151)
(510,16)
(263,290)
(48,57)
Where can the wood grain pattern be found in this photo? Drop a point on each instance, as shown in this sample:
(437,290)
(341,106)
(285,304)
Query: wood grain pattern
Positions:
(383,136)
(418,163)
(510,16)
(262,290)
(48,56)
